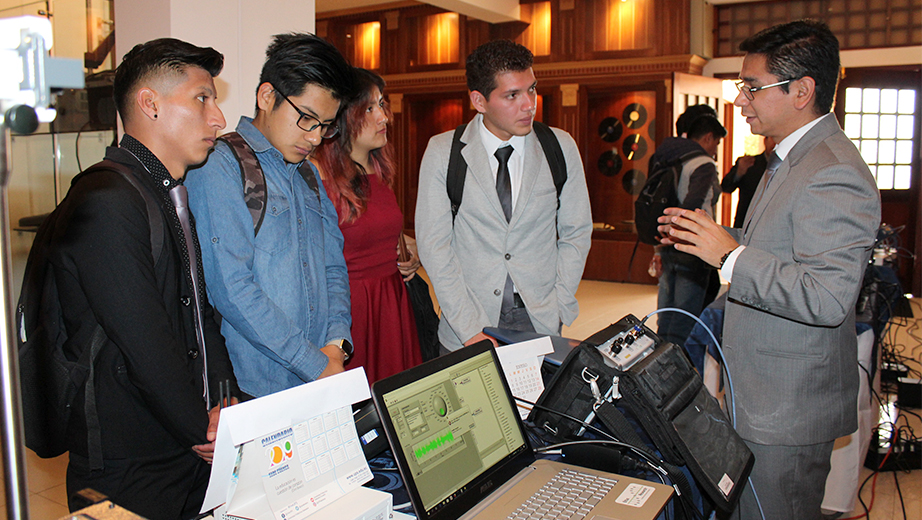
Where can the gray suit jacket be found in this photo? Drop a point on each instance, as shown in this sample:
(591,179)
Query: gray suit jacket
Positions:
(543,250)
(789,330)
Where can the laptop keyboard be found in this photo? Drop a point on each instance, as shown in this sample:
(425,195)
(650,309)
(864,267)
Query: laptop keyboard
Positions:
(569,495)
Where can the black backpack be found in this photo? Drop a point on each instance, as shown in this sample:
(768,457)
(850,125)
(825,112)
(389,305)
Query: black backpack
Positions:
(658,193)
(457,166)
(49,381)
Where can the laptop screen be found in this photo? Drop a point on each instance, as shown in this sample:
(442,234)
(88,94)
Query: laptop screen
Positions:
(451,426)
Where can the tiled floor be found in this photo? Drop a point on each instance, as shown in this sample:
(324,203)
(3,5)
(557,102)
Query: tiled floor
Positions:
(601,304)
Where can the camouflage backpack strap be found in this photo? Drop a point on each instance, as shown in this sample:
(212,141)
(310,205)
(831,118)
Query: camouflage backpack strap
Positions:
(307,173)
(251,173)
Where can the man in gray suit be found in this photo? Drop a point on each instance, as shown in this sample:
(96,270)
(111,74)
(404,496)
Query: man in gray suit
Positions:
(510,257)
(795,270)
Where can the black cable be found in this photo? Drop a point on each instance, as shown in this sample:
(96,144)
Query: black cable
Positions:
(899,492)
(610,437)
(659,471)
(867,512)
(567,416)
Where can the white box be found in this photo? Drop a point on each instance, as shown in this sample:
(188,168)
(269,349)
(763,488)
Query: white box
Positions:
(361,503)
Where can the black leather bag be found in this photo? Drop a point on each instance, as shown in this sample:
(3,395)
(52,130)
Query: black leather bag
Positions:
(427,321)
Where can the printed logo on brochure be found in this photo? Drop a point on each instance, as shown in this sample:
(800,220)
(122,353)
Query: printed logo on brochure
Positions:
(279,453)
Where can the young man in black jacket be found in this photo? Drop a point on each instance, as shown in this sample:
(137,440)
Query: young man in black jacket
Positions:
(163,353)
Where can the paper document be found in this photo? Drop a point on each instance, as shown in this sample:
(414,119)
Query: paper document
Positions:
(521,364)
(316,417)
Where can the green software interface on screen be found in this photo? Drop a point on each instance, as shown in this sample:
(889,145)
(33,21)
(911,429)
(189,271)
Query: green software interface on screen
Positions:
(453,425)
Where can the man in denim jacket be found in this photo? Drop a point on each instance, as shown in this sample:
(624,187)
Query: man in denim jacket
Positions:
(284,291)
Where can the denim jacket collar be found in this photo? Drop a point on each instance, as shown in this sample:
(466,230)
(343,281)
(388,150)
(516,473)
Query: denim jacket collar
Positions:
(259,143)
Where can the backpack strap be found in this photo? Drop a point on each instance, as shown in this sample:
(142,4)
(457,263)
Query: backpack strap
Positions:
(153,208)
(554,155)
(251,174)
(254,180)
(93,429)
(457,167)
(89,355)
(307,173)
(457,171)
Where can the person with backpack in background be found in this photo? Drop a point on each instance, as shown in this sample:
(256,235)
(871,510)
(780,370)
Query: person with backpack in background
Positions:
(684,280)
(512,254)
(124,260)
(278,276)
(644,219)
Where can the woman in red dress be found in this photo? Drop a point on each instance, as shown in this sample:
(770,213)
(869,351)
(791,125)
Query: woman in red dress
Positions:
(358,173)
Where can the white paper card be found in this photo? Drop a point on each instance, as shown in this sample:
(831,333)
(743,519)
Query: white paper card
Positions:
(521,364)
(245,422)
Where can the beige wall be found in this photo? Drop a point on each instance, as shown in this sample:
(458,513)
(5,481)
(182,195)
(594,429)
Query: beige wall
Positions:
(240,29)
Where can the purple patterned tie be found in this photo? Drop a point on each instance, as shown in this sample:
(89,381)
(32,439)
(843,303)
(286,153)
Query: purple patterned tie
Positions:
(180,198)
(773,163)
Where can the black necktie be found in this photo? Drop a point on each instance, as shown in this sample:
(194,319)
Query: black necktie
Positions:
(180,198)
(503,182)
(504,191)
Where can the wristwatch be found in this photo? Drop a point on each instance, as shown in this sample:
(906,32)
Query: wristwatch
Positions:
(345,346)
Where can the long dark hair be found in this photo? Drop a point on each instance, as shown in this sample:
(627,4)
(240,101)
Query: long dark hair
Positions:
(346,185)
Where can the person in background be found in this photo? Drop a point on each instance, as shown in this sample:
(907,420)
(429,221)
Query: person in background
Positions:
(358,172)
(745,175)
(685,279)
(682,123)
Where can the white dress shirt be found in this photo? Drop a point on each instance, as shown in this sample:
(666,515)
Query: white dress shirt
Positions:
(782,149)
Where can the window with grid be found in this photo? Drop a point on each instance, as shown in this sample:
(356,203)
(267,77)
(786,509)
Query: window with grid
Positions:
(859,24)
(881,123)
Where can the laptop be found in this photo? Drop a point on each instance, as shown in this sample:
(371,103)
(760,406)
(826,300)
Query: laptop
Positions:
(463,453)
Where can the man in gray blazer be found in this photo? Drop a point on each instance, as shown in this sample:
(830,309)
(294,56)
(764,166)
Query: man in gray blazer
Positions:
(795,270)
(510,257)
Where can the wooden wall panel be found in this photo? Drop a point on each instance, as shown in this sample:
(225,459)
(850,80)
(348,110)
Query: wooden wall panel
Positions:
(672,26)
(430,116)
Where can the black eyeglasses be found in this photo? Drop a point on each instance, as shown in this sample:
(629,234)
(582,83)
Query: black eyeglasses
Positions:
(307,122)
(749,92)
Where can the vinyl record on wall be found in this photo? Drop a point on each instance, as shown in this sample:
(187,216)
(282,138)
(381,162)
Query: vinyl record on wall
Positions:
(610,163)
(610,129)
(635,115)
(633,181)
(634,147)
